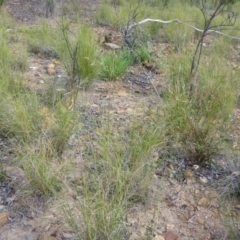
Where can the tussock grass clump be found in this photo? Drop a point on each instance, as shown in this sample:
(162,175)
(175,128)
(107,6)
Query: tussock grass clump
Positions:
(71,9)
(39,132)
(114,64)
(62,127)
(40,168)
(197,121)
(117,175)
(87,55)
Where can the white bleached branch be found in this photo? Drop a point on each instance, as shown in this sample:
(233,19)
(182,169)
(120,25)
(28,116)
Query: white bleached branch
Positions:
(177,21)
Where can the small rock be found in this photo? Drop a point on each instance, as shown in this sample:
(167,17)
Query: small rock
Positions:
(211,194)
(237,207)
(112,46)
(3,218)
(171,166)
(170,226)
(203,201)
(188,174)
(33,68)
(158,237)
(196,167)
(203,180)
(69,235)
(201,221)
(167,172)
(122,93)
(55,61)
(183,217)
(50,65)
(196,192)
(215,203)
(51,71)
(170,235)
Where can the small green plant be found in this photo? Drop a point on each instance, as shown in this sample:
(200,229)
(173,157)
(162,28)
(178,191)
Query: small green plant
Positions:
(63,126)
(141,54)
(114,64)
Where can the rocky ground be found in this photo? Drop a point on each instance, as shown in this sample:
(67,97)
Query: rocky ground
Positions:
(181,203)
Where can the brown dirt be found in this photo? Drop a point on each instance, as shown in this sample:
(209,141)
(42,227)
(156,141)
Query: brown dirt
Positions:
(178,206)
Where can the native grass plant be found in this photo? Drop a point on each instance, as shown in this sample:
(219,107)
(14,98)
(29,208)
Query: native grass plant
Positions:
(198,122)
(87,55)
(71,9)
(40,169)
(39,132)
(179,35)
(118,15)
(114,64)
(80,58)
(141,54)
(3,173)
(65,124)
(228,185)
(117,174)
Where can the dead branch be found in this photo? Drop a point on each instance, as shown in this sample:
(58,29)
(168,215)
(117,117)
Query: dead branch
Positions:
(176,21)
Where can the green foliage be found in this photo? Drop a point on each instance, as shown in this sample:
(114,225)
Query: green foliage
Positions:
(141,54)
(62,128)
(195,122)
(87,55)
(71,9)
(3,173)
(41,171)
(20,116)
(113,64)
(120,176)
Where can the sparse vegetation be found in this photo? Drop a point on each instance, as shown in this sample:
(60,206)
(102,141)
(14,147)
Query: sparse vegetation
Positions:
(114,168)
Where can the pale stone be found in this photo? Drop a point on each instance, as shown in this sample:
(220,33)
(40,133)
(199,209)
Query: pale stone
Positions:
(158,237)
(3,218)
(188,174)
(201,221)
(203,202)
